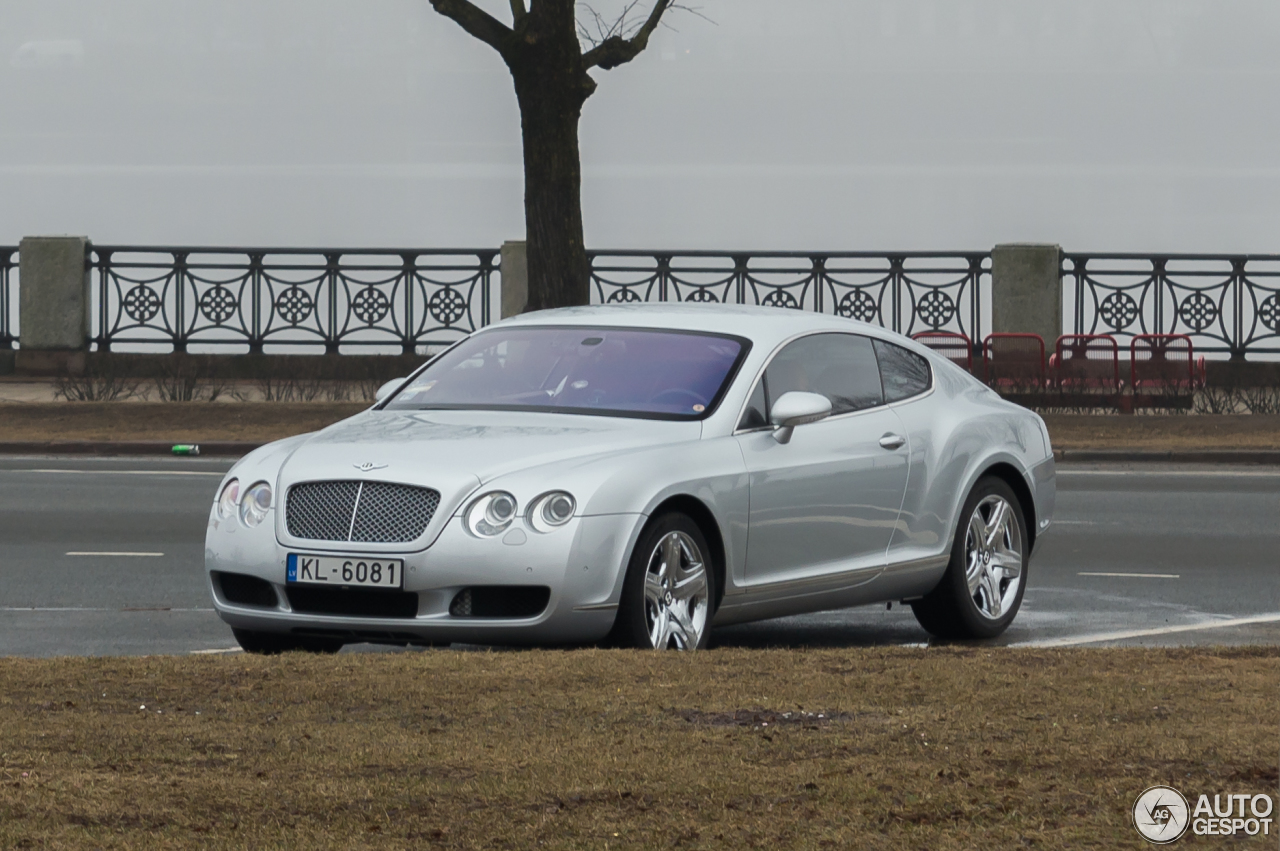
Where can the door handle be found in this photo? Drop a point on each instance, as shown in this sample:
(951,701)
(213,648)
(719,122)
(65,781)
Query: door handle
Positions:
(892,441)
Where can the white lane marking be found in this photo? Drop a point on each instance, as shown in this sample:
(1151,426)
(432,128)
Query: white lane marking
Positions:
(95,609)
(216,650)
(123,472)
(1094,638)
(1135,575)
(1266,474)
(140,555)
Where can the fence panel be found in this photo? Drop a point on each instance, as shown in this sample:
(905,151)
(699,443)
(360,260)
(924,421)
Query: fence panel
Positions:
(1224,303)
(908,292)
(252,299)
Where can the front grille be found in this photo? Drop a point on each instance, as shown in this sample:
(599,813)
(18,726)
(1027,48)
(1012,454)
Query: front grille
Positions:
(363,512)
(353,602)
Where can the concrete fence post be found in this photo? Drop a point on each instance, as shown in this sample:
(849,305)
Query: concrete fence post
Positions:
(515,278)
(53,303)
(1026,290)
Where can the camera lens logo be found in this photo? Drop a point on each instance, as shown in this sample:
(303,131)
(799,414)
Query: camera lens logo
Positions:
(1161,814)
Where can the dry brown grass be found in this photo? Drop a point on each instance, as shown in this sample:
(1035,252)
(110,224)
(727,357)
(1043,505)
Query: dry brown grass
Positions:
(179,422)
(1164,432)
(884,749)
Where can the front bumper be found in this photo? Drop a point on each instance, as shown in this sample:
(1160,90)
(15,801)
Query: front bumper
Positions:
(581,563)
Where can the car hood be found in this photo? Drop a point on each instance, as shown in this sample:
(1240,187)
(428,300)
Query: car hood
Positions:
(456,451)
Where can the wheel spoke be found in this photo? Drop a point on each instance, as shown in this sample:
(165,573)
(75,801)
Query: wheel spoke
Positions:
(978,529)
(653,589)
(670,555)
(691,586)
(991,590)
(660,630)
(1009,562)
(995,526)
(682,629)
(973,576)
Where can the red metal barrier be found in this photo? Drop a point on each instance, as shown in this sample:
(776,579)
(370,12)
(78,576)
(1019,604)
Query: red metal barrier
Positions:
(1087,362)
(1161,361)
(1013,362)
(956,348)
(1162,370)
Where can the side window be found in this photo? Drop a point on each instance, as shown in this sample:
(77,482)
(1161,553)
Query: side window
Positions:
(754,415)
(904,373)
(841,367)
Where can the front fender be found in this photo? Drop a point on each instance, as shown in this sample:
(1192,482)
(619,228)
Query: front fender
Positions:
(638,481)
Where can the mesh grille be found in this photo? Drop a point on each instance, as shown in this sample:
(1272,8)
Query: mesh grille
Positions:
(393,513)
(383,513)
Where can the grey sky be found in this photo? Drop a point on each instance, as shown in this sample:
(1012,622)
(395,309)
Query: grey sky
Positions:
(825,124)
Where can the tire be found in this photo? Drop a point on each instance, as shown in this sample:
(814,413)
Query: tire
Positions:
(980,594)
(663,608)
(271,643)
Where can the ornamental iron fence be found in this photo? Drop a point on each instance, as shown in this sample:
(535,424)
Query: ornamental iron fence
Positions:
(8,297)
(257,299)
(1223,303)
(907,292)
(217,297)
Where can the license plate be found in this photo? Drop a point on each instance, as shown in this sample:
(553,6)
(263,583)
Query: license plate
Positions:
(328,570)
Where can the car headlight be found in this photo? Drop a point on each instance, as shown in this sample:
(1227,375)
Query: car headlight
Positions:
(257,501)
(228,499)
(491,514)
(551,510)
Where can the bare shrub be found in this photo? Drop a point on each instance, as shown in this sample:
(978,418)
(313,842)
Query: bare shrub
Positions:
(101,381)
(184,378)
(1262,400)
(1221,396)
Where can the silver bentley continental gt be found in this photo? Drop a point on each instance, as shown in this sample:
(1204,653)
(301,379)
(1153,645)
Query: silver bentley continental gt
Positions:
(636,474)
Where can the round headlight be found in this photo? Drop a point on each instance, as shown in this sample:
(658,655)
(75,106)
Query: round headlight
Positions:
(257,500)
(551,510)
(228,499)
(491,514)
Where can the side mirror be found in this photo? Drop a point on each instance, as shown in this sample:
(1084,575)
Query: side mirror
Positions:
(795,409)
(387,389)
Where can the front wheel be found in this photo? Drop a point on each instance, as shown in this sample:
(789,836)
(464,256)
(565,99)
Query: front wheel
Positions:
(981,591)
(669,591)
(271,643)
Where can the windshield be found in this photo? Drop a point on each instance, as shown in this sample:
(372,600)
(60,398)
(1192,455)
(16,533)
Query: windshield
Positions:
(643,373)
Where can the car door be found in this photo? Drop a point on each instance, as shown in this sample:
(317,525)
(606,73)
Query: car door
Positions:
(826,502)
(922,526)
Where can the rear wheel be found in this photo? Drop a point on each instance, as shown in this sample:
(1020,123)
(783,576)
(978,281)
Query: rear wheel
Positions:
(981,591)
(669,591)
(271,643)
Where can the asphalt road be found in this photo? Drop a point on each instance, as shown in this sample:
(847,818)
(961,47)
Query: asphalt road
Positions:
(105,556)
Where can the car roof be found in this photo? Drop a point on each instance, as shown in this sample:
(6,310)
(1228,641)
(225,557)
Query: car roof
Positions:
(762,325)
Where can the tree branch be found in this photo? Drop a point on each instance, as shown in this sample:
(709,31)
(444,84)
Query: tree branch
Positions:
(616,50)
(518,11)
(476,21)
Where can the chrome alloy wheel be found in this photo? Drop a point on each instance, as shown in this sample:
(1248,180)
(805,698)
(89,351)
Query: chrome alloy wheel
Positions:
(993,556)
(676,593)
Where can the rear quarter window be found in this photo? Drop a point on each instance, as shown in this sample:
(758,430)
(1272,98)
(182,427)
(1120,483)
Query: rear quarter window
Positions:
(902,372)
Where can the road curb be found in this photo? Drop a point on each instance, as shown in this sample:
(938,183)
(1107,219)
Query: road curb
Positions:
(1177,456)
(234,448)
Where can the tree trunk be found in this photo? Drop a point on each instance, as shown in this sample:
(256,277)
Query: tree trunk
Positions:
(551,86)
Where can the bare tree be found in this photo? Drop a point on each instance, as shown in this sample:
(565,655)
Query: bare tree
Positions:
(549,53)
